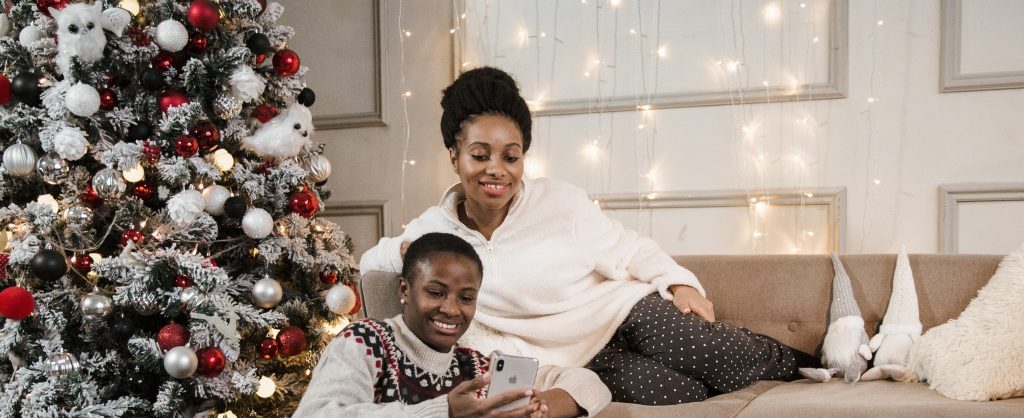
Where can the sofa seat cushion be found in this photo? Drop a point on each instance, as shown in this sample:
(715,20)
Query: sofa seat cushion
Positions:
(725,405)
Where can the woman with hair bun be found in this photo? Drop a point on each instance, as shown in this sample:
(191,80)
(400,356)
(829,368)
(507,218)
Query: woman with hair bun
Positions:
(563,282)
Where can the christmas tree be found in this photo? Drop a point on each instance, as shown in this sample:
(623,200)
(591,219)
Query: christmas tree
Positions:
(159,190)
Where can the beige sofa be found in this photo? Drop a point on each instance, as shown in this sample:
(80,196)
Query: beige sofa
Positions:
(787,297)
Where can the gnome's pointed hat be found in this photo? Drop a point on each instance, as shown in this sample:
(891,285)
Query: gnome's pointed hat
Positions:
(903,315)
(843,302)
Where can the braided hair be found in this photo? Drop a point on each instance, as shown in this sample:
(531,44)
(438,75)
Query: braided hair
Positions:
(483,91)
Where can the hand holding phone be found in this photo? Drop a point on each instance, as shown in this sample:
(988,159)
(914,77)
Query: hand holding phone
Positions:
(512,373)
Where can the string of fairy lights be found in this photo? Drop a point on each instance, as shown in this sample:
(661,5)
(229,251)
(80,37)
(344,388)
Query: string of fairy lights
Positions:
(786,146)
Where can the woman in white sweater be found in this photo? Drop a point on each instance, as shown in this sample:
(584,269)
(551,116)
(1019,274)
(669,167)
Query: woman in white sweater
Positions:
(563,282)
(410,365)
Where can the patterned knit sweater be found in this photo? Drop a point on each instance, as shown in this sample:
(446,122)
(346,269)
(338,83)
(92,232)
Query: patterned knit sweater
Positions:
(380,368)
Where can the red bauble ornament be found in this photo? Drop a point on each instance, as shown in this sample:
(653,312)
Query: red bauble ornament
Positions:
(182,281)
(304,202)
(292,340)
(186,146)
(267,348)
(163,61)
(264,113)
(152,152)
(172,98)
(45,5)
(4,258)
(329,277)
(108,99)
(16,303)
(207,134)
(139,37)
(203,15)
(82,263)
(260,58)
(197,43)
(5,90)
(211,361)
(172,335)
(286,62)
(133,235)
(143,190)
(359,302)
(91,198)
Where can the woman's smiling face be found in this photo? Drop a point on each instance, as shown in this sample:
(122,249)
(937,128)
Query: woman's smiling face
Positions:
(440,300)
(489,161)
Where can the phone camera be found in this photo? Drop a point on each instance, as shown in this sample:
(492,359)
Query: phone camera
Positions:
(501,365)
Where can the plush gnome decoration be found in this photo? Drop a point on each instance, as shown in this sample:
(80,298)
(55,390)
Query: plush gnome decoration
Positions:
(845,349)
(901,327)
(284,136)
(79,34)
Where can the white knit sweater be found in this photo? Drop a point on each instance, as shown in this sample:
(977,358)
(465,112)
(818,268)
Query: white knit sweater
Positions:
(559,275)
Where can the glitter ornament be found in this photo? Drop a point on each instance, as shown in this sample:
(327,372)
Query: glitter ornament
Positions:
(235,207)
(82,100)
(45,5)
(172,335)
(214,198)
(257,223)
(286,62)
(291,340)
(116,20)
(171,35)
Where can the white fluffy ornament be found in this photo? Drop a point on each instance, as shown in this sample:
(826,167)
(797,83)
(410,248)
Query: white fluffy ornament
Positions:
(284,136)
(171,35)
(340,299)
(116,20)
(214,198)
(257,223)
(29,35)
(70,143)
(246,84)
(82,100)
(186,206)
(79,34)
(5,24)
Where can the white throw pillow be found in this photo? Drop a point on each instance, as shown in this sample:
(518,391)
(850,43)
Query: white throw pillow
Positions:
(980,355)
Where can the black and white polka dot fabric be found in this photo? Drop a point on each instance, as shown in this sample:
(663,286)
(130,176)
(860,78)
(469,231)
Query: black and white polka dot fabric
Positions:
(660,356)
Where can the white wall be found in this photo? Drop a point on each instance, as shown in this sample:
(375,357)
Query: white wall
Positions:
(920,140)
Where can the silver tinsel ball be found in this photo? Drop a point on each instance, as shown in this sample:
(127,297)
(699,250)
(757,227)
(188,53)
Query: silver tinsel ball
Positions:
(227,106)
(19,159)
(62,365)
(96,306)
(108,183)
(266,293)
(181,362)
(52,168)
(318,166)
(78,215)
(192,297)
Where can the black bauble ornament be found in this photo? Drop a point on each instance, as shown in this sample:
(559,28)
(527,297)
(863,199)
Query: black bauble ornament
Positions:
(49,264)
(235,207)
(152,79)
(122,329)
(140,131)
(306,97)
(258,43)
(139,383)
(25,87)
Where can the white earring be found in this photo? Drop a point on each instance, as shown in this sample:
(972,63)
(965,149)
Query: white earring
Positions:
(402,301)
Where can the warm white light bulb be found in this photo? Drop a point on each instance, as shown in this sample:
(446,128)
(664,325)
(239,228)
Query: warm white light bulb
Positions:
(662,51)
(407,94)
(132,6)
(772,13)
(815,40)
(452,30)
(134,174)
(877,181)
(223,160)
(871,99)
(267,387)
(616,3)
(732,66)
(881,22)
(592,152)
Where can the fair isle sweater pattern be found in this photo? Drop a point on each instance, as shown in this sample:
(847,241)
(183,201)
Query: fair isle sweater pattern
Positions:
(399,379)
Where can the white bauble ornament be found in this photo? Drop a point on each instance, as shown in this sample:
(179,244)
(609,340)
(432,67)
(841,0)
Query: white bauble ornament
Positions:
(20,160)
(185,207)
(181,362)
(70,143)
(52,168)
(82,100)
(266,293)
(171,35)
(79,34)
(214,198)
(257,223)
(96,306)
(284,136)
(5,24)
(108,184)
(318,166)
(340,299)
(116,20)
(246,84)
(29,35)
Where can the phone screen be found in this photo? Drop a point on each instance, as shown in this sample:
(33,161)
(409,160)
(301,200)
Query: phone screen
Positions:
(512,373)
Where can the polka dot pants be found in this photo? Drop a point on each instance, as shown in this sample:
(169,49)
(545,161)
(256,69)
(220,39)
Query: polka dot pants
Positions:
(660,356)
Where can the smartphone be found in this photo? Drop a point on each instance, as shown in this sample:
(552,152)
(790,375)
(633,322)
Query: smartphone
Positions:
(510,373)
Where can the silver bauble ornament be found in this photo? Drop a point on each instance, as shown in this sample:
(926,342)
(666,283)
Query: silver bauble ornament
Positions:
(192,297)
(340,299)
(181,362)
(52,168)
(96,306)
(108,183)
(266,293)
(78,215)
(19,159)
(257,223)
(227,106)
(318,166)
(62,365)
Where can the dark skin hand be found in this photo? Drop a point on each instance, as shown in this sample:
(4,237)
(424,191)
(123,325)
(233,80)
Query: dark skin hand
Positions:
(688,299)
(462,401)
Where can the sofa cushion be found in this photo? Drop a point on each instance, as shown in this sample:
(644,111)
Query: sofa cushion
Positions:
(725,405)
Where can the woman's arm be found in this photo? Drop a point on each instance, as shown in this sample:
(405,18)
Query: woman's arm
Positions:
(571,391)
